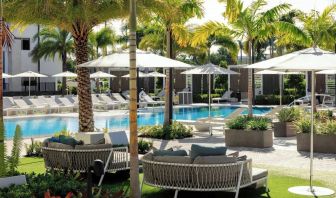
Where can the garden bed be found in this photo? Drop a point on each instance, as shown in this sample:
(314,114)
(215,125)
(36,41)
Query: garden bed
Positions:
(249,138)
(323,143)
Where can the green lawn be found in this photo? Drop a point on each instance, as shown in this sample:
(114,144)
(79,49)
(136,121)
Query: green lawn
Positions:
(278,184)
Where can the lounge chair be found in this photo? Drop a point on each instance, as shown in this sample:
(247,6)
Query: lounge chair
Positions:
(27,108)
(225,97)
(98,104)
(121,100)
(126,94)
(9,108)
(108,100)
(36,102)
(201,174)
(148,100)
(66,102)
(51,101)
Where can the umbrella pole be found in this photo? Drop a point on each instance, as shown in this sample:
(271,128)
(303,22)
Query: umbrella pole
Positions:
(312,129)
(209,115)
(29,86)
(281,88)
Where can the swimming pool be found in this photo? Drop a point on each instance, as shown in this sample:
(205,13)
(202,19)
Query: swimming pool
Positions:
(44,126)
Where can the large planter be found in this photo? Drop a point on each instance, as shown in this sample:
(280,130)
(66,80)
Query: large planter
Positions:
(322,143)
(284,129)
(14,180)
(248,138)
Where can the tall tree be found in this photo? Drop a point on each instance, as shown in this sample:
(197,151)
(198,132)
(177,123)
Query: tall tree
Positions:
(102,39)
(78,17)
(254,23)
(172,14)
(6,40)
(54,41)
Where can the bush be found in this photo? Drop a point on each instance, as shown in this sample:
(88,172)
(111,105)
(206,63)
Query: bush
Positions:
(328,127)
(274,99)
(175,131)
(203,98)
(324,116)
(144,146)
(303,125)
(239,123)
(63,132)
(289,114)
(245,122)
(58,184)
(34,149)
(258,124)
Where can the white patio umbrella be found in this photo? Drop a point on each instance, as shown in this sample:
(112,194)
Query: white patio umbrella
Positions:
(144,60)
(100,74)
(280,73)
(311,59)
(65,74)
(4,75)
(29,74)
(140,75)
(209,69)
(156,74)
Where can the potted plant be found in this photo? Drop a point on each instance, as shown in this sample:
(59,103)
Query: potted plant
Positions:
(324,135)
(285,126)
(246,131)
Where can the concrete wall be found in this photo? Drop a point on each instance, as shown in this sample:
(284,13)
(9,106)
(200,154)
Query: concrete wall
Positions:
(19,61)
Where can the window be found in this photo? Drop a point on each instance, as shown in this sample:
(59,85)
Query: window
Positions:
(25,44)
(330,84)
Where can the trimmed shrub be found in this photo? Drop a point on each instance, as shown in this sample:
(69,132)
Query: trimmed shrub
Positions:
(175,131)
(252,123)
(303,125)
(289,114)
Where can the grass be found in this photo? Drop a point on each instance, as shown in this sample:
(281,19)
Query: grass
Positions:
(278,184)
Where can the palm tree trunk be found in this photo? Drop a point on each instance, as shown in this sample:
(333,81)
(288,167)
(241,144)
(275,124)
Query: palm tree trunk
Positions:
(64,68)
(169,84)
(86,122)
(134,160)
(250,81)
(2,128)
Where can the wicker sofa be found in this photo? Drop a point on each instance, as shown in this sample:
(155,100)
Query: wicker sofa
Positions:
(79,159)
(189,176)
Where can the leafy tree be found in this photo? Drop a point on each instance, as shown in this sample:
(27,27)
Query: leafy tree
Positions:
(172,15)
(54,41)
(252,24)
(78,17)
(13,159)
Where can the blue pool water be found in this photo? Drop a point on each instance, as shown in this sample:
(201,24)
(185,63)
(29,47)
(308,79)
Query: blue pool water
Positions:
(43,126)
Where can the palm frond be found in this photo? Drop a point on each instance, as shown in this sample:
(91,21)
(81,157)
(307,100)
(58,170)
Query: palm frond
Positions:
(203,32)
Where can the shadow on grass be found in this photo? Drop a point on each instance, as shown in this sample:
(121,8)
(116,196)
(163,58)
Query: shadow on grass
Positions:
(116,182)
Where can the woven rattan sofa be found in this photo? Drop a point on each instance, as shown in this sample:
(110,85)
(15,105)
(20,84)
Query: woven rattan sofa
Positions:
(79,159)
(230,177)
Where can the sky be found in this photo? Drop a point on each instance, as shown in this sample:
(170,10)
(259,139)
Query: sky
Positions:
(213,9)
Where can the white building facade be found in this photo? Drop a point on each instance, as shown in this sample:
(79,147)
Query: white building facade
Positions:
(18,60)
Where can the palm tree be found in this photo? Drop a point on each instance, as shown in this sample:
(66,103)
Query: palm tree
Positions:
(172,15)
(102,39)
(54,41)
(78,17)
(320,27)
(254,24)
(6,40)
(135,191)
